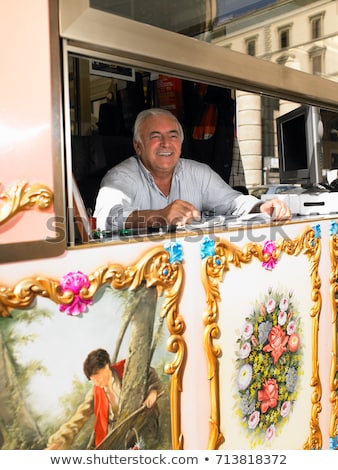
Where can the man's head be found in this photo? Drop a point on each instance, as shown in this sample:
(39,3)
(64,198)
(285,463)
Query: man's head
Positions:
(155,112)
(158,138)
(97,367)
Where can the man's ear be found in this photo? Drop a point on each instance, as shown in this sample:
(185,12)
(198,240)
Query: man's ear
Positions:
(137,147)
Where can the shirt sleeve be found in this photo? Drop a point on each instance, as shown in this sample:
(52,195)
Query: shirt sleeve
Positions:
(112,208)
(114,200)
(221,199)
(243,204)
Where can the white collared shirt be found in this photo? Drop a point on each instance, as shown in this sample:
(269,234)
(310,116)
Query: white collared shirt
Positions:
(129,186)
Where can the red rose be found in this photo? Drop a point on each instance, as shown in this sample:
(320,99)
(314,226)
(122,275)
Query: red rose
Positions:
(277,342)
(268,395)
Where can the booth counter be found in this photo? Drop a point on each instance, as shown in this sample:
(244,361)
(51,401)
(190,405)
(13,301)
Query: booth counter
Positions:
(239,322)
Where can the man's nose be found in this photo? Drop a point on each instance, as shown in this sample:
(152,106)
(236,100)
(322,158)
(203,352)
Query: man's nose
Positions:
(164,140)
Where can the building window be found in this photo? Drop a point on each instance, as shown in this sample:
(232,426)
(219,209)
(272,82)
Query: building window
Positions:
(251,47)
(317,63)
(316,23)
(284,38)
(317,57)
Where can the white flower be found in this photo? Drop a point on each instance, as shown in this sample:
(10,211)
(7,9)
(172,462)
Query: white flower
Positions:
(247,330)
(282,317)
(244,376)
(245,350)
(270,306)
(253,419)
(283,304)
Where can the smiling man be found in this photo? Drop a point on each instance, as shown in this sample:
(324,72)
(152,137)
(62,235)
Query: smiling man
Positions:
(157,187)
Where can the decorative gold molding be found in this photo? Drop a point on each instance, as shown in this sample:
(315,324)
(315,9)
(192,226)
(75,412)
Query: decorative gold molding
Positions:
(22,196)
(212,271)
(334,358)
(155,270)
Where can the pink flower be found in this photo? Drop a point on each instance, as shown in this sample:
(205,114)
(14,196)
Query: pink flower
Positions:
(269,253)
(294,341)
(270,432)
(291,328)
(285,409)
(74,282)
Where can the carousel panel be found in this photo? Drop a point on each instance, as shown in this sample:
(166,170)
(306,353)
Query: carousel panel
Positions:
(261,342)
(49,330)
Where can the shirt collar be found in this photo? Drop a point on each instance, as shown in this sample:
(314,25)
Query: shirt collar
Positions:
(149,176)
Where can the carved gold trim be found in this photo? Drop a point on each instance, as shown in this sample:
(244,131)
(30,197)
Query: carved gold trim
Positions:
(155,270)
(334,310)
(22,196)
(212,271)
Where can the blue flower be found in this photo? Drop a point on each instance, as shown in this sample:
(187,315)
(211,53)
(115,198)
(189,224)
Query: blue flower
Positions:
(207,247)
(333,228)
(317,231)
(175,252)
(264,329)
(291,379)
(333,443)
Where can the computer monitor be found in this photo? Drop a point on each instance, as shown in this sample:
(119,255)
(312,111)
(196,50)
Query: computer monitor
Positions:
(299,137)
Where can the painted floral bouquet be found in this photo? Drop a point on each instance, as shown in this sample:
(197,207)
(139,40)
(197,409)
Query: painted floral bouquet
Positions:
(268,366)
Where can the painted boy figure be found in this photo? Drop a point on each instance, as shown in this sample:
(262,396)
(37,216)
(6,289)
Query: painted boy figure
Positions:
(102,401)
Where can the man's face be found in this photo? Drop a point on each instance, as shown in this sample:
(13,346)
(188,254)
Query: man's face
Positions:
(102,377)
(160,146)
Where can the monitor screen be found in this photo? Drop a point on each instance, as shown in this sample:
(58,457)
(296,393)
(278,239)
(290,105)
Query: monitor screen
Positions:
(294,144)
(298,146)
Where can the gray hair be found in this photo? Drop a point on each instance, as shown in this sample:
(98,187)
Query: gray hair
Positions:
(153,112)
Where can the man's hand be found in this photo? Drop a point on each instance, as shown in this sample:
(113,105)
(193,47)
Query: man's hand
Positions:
(151,398)
(277,209)
(179,213)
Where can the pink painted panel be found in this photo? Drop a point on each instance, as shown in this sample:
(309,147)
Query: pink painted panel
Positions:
(26,128)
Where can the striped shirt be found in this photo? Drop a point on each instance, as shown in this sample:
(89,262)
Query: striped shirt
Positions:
(129,187)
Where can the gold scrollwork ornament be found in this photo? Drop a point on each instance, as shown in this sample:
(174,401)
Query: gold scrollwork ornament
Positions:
(22,196)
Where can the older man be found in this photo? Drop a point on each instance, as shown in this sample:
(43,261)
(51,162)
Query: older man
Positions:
(157,187)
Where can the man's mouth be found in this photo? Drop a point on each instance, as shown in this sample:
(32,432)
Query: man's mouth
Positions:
(165,154)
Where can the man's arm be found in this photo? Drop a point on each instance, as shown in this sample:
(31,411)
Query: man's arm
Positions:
(64,436)
(177,213)
(154,388)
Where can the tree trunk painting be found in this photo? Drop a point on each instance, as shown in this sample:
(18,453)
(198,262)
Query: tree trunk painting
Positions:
(17,427)
(137,364)
(133,419)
